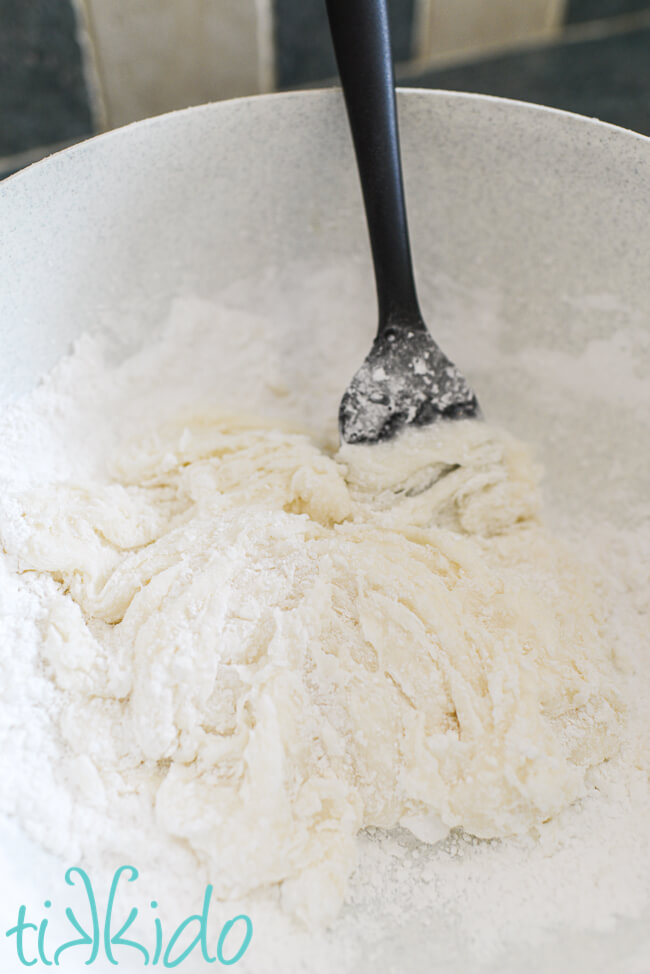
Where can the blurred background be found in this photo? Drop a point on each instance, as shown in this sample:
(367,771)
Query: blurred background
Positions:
(73,68)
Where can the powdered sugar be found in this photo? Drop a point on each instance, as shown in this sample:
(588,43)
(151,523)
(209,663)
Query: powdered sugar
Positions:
(587,870)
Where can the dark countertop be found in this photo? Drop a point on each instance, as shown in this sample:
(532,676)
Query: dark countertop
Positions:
(603,77)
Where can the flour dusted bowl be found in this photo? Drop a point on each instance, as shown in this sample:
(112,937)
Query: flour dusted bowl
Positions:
(531,230)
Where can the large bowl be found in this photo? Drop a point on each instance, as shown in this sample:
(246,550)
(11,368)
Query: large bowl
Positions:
(531,236)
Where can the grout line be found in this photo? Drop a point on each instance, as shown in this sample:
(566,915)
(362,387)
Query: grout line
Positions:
(266,45)
(21,159)
(92,74)
(571,34)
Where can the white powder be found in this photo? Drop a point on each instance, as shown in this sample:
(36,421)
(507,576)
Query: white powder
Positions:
(408,904)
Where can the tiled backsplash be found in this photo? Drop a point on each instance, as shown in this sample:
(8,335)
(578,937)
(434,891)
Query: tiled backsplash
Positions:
(465,27)
(69,68)
(154,56)
(303,52)
(43,92)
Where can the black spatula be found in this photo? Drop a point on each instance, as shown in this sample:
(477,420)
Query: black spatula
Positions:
(406,380)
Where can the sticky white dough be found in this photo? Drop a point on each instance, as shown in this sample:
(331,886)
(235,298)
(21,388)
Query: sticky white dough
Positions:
(281,647)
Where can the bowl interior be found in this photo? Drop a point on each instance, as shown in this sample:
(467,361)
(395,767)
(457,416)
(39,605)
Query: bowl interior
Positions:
(530,228)
(530,236)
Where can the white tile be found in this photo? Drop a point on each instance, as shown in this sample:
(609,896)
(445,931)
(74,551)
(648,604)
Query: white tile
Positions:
(153,56)
(455,27)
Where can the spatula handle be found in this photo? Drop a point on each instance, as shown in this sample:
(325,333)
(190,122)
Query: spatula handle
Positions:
(361,37)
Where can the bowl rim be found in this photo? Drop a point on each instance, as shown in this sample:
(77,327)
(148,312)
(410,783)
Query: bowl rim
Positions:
(327,92)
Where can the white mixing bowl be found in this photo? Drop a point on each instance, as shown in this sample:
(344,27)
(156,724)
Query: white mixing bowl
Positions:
(531,238)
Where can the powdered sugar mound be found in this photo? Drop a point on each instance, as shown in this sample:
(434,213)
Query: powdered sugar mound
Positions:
(409,905)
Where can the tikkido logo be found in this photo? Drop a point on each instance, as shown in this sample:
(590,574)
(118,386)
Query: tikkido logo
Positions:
(97,940)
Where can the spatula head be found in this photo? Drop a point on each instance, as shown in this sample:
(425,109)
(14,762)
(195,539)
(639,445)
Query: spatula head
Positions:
(406,380)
